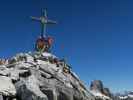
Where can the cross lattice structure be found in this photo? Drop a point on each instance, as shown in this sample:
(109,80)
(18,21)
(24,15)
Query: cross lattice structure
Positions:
(44,21)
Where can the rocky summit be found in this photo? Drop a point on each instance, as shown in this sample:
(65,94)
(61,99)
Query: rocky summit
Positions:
(39,76)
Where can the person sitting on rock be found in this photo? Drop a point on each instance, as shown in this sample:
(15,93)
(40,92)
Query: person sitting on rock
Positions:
(43,44)
(49,41)
(40,44)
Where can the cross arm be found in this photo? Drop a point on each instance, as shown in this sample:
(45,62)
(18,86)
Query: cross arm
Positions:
(35,18)
(51,22)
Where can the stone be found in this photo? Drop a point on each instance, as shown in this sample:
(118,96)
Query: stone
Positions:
(29,90)
(1,97)
(25,78)
(6,86)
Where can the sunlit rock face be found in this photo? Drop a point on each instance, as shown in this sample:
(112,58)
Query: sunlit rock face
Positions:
(40,76)
(99,91)
(97,85)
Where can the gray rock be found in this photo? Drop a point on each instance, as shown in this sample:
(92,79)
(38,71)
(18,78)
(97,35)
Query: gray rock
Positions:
(28,89)
(1,97)
(99,91)
(107,92)
(97,85)
(6,87)
(32,77)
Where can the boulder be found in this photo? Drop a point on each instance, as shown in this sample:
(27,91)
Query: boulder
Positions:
(6,87)
(28,89)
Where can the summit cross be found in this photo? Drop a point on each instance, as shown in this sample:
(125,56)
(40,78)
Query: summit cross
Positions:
(43,21)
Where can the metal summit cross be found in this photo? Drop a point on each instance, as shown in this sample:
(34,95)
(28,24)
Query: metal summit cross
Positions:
(43,21)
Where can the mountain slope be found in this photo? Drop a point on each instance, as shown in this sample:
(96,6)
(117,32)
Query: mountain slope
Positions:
(40,76)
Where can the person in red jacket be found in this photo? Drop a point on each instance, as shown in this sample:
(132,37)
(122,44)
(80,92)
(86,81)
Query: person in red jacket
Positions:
(40,44)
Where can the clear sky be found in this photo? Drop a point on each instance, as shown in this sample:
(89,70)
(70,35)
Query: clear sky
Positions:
(95,36)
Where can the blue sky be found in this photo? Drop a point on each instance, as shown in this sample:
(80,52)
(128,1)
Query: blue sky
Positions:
(95,36)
